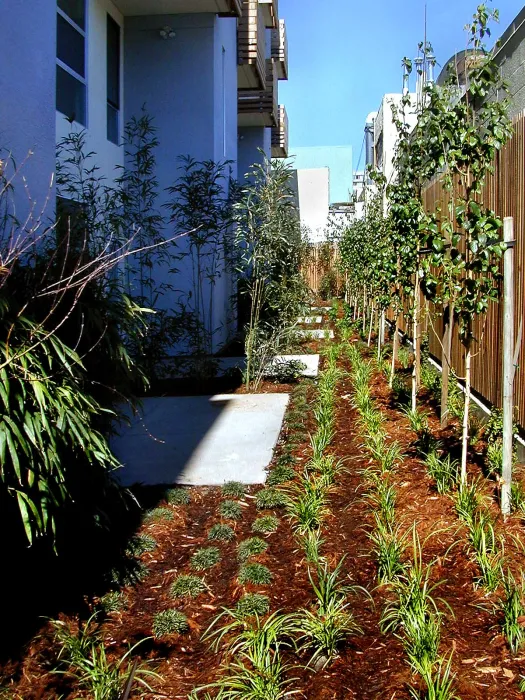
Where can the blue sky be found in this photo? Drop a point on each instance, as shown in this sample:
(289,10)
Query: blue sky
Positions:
(345,54)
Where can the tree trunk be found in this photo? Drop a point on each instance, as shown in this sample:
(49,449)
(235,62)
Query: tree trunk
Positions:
(364,312)
(466,412)
(395,351)
(371,324)
(416,342)
(445,362)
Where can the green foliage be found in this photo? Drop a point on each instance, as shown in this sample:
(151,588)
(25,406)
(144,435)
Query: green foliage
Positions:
(178,497)
(270,498)
(221,532)
(257,574)
(205,558)
(251,547)
(444,471)
(233,489)
(253,604)
(114,601)
(158,514)
(512,610)
(231,510)
(187,586)
(266,524)
(168,622)
(389,546)
(139,544)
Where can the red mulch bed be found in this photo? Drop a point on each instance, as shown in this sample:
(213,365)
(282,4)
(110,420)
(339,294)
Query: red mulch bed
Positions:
(371,666)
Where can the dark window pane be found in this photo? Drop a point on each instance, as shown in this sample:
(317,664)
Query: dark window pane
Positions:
(70,46)
(71,96)
(113,119)
(75,10)
(113,62)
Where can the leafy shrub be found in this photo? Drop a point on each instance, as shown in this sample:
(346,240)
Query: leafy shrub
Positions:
(178,497)
(205,558)
(169,622)
(234,489)
(231,510)
(287,371)
(157,514)
(251,547)
(270,498)
(266,524)
(221,532)
(253,604)
(255,573)
(187,586)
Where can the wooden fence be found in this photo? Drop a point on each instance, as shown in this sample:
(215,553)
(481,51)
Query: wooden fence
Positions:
(322,261)
(504,192)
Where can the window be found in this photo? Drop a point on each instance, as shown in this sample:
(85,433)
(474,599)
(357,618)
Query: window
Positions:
(71,59)
(113,79)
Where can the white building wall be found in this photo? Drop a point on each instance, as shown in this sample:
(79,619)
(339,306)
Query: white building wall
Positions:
(314,200)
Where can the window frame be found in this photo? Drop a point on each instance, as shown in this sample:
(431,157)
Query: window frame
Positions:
(109,103)
(65,67)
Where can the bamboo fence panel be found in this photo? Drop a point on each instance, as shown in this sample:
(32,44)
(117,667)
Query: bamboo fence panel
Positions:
(323,259)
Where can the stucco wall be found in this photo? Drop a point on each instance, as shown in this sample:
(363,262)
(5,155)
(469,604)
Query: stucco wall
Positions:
(314,194)
(338,159)
(512,62)
(251,138)
(27,95)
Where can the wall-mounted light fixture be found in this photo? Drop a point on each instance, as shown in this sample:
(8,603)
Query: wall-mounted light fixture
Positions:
(167,33)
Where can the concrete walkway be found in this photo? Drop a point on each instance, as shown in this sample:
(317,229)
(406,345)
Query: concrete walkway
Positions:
(201,440)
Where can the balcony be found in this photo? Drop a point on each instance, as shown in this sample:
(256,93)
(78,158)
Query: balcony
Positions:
(270,13)
(251,47)
(259,107)
(280,135)
(280,50)
(174,7)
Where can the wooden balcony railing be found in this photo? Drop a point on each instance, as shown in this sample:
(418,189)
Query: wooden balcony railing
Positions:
(259,107)
(270,11)
(173,7)
(280,50)
(280,135)
(251,47)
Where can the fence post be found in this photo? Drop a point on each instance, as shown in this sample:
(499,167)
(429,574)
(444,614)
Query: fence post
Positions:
(508,363)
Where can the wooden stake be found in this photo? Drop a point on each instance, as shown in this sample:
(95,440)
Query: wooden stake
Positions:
(508,364)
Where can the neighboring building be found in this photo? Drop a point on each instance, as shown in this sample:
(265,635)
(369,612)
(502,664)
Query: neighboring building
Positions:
(359,192)
(314,200)
(207,71)
(385,132)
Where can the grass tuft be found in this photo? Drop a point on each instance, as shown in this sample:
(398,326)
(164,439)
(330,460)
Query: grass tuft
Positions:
(178,497)
(139,544)
(234,489)
(255,573)
(266,524)
(270,498)
(169,622)
(231,510)
(250,548)
(280,475)
(221,532)
(157,514)
(205,558)
(187,586)
(253,604)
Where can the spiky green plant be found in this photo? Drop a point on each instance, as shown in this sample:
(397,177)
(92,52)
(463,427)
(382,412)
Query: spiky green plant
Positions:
(311,542)
(268,498)
(487,550)
(178,497)
(187,586)
(221,532)
(114,601)
(205,558)
(307,505)
(234,489)
(266,524)
(389,547)
(467,501)
(253,604)
(439,682)
(511,607)
(231,510)
(444,471)
(280,475)
(168,622)
(257,574)
(251,547)
(139,544)
(158,514)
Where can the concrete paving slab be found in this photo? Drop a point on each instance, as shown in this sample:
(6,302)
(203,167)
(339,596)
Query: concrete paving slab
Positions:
(201,440)
(316,333)
(309,319)
(320,309)
(311,361)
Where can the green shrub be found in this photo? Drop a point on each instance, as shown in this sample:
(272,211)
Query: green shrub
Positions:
(253,604)
(234,489)
(139,544)
(205,558)
(169,622)
(250,548)
(113,601)
(157,514)
(187,586)
(221,532)
(255,573)
(270,498)
(178,497)
(231,510)
(280,475)
(266,524)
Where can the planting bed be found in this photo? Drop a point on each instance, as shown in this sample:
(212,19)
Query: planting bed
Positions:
(371,664)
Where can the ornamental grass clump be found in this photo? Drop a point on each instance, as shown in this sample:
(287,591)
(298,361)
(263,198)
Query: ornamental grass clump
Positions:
(250,548)
(231,510)
(157,514)
(266,524)
(233,489)
(221,533)
(268,498)
(187,586)
(205,558)
(169,622)
(114,601)
(139,544)
(178,497)
(511,608)
(253,604)
(280,475)
(258,574)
